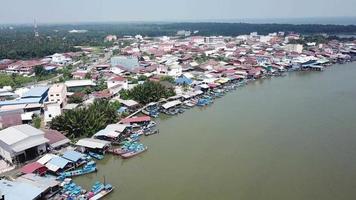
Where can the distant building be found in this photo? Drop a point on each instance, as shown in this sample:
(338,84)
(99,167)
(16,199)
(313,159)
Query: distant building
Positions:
(298,48)
(128,62)
(173,70)
(110,38)
(21,143)
(60,59)
(58,93)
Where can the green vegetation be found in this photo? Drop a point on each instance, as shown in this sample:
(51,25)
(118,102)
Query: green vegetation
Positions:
(86,121)
(20,43)
(147,92)
(36,120)
(76,98)
(15,80)
(167,78)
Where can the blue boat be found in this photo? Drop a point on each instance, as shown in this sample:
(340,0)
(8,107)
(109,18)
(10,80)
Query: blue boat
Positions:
(203,102)
(88,168)
(96,156)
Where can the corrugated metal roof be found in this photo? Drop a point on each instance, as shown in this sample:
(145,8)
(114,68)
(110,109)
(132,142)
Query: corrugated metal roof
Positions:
(92,143)
(36,92)
(20,101)
(136,119)
(18,190)
(73,155)
(46,158)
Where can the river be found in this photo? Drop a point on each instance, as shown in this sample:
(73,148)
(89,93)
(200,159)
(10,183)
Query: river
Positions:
(291,137)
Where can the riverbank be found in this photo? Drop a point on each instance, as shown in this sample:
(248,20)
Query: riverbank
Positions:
(273,139)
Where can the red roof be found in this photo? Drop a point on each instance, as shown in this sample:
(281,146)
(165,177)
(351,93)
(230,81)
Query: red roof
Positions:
(35,168)
(136,119)
(118,78)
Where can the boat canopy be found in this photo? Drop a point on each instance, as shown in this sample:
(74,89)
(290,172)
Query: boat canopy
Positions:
(171,104)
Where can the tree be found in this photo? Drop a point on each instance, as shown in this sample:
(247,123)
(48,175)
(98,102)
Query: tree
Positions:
(40,71)
(148,92)
(88,75)
(36,120)
(86,121)
(167,78)
(76,98)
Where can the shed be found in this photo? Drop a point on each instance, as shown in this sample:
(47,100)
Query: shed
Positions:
(136,120)
(57,163)
(92,143)
(34,168)
(73,155)
(55,138)
(21,143)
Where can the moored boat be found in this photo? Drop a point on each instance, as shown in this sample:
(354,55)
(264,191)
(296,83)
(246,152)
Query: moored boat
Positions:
(96,156)
(88,168)
(105,191)
(134,153)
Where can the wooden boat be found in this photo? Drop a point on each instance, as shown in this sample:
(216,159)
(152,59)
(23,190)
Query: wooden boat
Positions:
(133,153)
(107,189)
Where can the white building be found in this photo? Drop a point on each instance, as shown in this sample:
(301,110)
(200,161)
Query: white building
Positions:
(21,143)
(52,110)
(293,48)
(173,70)
(60,59)
(116,84)
(57,93)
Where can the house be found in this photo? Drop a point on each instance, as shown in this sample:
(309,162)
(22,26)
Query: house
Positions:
(117,81)
(58,94)
(172,70)
(78,85)
(51,110)
(55,139)
(21,143)
(34,168)
(60,59)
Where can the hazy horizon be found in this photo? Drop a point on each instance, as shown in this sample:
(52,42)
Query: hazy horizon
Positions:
(109,11)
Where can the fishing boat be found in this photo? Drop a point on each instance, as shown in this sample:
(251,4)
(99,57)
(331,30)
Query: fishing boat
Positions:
(150,131)
(96,156)
(118,151)
(134,153)
(105,191)
(88,168)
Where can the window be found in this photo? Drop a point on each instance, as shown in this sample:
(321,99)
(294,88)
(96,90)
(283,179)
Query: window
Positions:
(57,95)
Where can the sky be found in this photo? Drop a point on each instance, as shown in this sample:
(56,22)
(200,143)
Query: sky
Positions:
(63,11)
